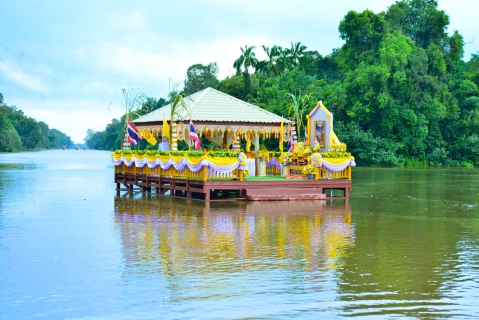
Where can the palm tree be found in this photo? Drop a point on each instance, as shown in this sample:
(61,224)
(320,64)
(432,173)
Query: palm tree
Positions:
(283,61)
(133,103)
(298,105)
(269,66)
(306,64)
(296,52)
(178,104)
(246,60)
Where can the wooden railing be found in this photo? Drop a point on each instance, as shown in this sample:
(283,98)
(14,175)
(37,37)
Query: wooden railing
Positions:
(205,173)
(208,173)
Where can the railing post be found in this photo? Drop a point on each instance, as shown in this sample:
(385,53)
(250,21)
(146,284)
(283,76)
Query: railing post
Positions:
(205,173)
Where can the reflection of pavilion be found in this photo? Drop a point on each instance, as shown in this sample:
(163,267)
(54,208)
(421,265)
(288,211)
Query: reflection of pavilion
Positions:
(172,237)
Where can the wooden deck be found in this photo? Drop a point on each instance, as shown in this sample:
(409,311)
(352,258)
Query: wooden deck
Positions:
(228,189)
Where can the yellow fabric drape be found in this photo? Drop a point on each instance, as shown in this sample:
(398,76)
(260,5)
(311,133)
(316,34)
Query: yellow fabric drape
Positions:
(281,137)
(166,129)
(151,158)
(248,142)
(148,137)
(194,160)
(336,161)
(223,161)
(128,157)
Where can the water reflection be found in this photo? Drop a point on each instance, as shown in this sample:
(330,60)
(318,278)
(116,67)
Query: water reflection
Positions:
(197,242)
(408,248)
(175,233)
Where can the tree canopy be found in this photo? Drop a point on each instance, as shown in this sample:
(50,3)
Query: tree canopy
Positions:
(20,132)
(398,87)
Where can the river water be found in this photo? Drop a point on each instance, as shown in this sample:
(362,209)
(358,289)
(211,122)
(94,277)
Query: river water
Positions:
(406,245)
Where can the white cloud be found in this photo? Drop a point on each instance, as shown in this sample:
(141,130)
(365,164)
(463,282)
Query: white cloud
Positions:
(144,45)
(16,75)
(72,117)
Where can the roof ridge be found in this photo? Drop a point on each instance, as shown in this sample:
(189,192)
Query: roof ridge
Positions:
(258,107)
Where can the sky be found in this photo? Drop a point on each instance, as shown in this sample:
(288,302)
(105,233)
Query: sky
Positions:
(66,62)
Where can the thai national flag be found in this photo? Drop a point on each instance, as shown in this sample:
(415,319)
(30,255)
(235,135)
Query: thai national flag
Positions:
(194,136)
(133,134)
(291,139)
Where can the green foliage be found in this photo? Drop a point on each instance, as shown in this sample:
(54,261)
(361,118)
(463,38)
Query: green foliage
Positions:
(25,133)
(10,141)
(223,154)
(398,88)
(199,77)
(367,149)
(246,60)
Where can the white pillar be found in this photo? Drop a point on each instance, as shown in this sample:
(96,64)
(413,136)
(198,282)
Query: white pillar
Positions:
(174,137)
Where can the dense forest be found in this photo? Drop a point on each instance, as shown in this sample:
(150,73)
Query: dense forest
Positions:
(20,132)
(399,87)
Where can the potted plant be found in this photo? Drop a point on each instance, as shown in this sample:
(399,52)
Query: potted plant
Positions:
(309,170)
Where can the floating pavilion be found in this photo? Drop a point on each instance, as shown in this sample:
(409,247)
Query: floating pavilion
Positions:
(231,174)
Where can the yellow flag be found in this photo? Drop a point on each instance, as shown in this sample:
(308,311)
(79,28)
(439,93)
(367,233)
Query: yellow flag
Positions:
(166,129)
(248,143)
(281,137)
(148,137)
(151,140)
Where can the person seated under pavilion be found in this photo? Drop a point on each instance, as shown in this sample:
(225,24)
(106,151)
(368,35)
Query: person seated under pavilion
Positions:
(164,145)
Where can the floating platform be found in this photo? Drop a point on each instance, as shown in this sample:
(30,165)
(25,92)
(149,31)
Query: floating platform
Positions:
(266,188)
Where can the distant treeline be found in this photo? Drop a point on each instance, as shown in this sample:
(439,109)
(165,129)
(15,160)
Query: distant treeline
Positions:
(399,89)
(19,132)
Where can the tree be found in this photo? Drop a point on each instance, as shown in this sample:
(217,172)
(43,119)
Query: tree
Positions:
(420,20)
(297,51)
(199,77)
(10,141)
(246,60)
(299,104)
(363,33)
(26,127)
(269,67)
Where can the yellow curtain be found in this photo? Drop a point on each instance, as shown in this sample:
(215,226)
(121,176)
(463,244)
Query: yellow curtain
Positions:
(166,129)
(248,143)
(281,137)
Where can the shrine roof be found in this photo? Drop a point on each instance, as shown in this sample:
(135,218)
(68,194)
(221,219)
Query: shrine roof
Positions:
(210,105)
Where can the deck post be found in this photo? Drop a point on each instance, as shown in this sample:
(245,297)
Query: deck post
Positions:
(207,194)
(188,192)
(205,173)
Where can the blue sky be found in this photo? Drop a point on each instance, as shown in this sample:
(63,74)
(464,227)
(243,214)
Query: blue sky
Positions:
(64,62)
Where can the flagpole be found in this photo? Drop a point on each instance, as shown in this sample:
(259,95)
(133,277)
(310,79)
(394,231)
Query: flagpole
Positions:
(189,139)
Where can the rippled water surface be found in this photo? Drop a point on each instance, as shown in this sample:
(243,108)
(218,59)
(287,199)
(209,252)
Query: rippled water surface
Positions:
(406,245)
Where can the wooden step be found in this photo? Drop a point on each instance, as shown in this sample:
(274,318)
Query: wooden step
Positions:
(283,194)
(284,191)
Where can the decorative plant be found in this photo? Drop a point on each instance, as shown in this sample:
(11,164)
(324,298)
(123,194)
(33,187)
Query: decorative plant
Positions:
(223,154)
(337,151)
(286,157)
(193,153)
(177,153)
(298,105)
(275,153)
(133,104)
(308,169)
(300,151)
(263,154)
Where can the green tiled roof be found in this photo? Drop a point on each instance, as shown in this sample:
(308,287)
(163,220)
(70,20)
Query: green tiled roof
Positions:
(212,105)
